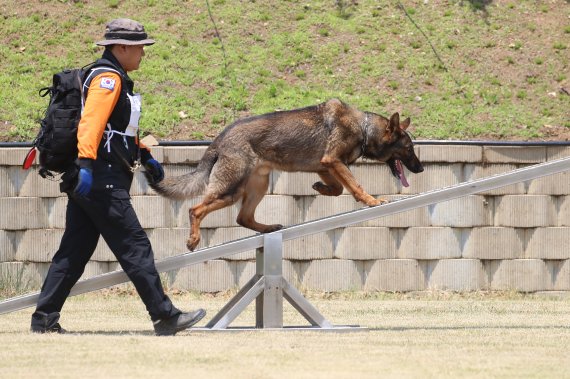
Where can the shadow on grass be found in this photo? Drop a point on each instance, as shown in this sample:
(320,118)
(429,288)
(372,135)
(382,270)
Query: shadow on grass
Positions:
(479,6)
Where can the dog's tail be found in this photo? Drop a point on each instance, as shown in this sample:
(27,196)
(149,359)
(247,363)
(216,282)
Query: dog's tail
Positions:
(187,185)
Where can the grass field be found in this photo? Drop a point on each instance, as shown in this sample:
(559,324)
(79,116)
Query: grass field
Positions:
(504,72)
(426,335)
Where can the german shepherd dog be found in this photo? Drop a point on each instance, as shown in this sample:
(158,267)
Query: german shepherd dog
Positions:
(324,139)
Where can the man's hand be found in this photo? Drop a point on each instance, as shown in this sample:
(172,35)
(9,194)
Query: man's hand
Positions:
(154,170)
(85,182)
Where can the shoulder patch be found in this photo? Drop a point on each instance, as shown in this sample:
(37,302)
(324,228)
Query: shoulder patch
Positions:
(108,83)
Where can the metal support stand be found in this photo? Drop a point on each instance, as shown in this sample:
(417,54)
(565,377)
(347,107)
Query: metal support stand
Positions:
(268,288)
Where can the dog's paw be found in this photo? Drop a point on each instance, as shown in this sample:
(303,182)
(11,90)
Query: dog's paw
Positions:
(273,228)
(327,190)
(192,243)
(374,202)
(320,188)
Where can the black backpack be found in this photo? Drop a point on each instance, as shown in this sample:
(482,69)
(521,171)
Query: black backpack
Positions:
(57,139)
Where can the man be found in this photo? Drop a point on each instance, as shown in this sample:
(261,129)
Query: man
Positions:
(98,190)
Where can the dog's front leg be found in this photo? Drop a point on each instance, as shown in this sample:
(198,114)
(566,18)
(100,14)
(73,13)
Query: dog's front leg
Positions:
(341,173)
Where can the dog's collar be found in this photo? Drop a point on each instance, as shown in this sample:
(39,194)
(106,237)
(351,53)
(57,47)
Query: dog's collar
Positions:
(364,126)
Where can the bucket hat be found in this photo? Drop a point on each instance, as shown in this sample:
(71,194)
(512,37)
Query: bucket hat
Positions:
(123,31)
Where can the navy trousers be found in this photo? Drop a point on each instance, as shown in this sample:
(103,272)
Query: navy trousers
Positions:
(109,214)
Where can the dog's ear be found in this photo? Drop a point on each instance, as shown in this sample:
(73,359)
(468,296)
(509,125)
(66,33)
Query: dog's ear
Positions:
(394,123)
(404,125)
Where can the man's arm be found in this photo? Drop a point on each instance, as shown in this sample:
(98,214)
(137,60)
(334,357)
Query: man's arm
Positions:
(102,97)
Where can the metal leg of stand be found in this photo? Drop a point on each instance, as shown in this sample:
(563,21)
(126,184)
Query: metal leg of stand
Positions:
(237,305)
(235,300)
(259,300)
(273,273)
(303,306)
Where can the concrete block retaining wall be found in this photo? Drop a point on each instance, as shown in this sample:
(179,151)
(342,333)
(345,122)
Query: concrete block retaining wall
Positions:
(512,238)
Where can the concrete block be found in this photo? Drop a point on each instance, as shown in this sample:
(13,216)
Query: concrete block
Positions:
(56,209)
(549,243)
(474,172)
(223,235)
(525,211)
(7,186)
(157,152)
(293,183)
(31,184)
(13,156)
(317,207)
(183,154)
(514,154)
(557,184)
(377,179)
(38,245)
(451,154)
(333,275)
(557,152)
(210,276)
(561,271)
(22,213)
(154,211)
(414,217)
(434,176)
(397,275)
(168,242)
(277,209)
(494,243)
(25,277)
(563,211)
(457,275)
(315,246)
(140,185)
(94,268)
(7,246)
(430,243)
(103,253)
(525,275)
(467,211)
(365,243)
(245,270)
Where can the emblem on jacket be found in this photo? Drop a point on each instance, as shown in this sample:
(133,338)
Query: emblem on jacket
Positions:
(108,83)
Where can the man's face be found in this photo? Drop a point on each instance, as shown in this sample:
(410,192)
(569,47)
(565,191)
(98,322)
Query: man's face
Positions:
(129,56)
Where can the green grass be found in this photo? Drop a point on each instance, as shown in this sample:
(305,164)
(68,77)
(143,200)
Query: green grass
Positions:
(290,54)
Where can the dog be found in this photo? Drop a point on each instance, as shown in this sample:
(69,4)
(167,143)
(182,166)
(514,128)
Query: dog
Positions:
(323,139)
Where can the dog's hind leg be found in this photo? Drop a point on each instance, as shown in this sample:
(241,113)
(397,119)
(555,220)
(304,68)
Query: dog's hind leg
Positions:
(255,189)
(330,187)
(201,210)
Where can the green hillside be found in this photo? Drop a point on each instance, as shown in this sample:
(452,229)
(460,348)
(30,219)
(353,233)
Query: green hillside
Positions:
(505,71)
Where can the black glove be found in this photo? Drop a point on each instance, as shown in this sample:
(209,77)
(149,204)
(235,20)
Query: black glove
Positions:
(154,171)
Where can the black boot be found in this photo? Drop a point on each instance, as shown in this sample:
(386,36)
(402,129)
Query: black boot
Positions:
(46,323)
(174,324)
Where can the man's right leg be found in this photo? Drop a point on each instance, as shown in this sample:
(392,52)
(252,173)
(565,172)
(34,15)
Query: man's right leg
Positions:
(77,245)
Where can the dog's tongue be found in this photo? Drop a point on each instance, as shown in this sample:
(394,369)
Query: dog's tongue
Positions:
(403,179)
